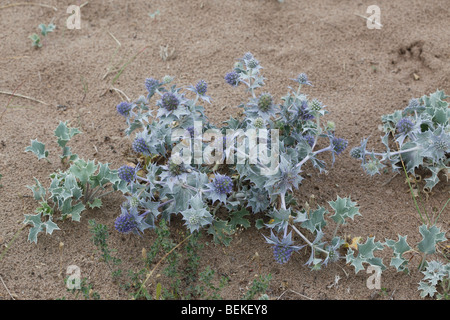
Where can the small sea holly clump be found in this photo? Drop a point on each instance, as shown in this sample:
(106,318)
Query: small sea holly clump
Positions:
(244,176)
(436,280)
(79,187)
(421,135)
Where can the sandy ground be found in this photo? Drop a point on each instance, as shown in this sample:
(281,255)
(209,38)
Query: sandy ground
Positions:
(359,73)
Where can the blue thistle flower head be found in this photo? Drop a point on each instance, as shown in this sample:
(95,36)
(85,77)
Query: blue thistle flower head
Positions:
(282,254)
(252,63)
(125,223)
(191,131)
(201,87)
(170,101)
(316,105)
(127,173)
(302,78)
(124,108)
(356,153)
(247,56)
(303,112)
(130,221)
(151,85)
(265,102)
(232,78)
(404,126)
(339,145)
(140,146)
(282,249)
(310,139)
(219,188)
(222,184)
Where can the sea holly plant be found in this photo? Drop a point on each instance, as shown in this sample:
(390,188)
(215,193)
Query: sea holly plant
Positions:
(79,187)
(217,177)
(420,133)
(45,29)
(436,281)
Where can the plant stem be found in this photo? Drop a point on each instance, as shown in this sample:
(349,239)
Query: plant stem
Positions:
(437,218)
(307,241)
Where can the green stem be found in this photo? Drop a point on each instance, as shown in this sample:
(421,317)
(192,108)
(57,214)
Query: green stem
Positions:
(307,241)
(437,218)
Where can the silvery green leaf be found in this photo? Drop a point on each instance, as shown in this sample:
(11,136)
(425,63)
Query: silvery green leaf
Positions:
(38,148)
(399,248)
(435,272)
(50,226)
(105,175)
(259,224)
(65,133)
(38,190)
(67,154)
(83,170)
(197,216)
(37,226)
(430,237)
(221,232)
(44,209)
(366,255)
(237,218)
(434,178)
(71,185)
(74,211)
(426,289)
(279,219)
(316,220)
(343,208)
(97,203)
(46,29)
(36,40)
